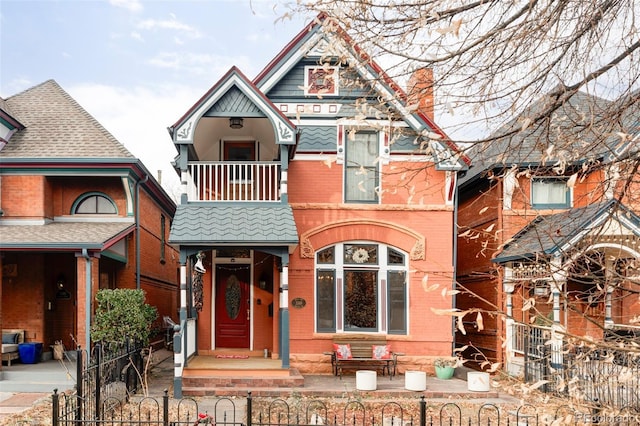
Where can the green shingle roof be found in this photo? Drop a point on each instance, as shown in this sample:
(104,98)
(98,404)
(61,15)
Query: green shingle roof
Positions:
(252,224)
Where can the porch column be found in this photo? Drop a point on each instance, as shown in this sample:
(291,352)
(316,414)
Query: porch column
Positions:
(558,284)
(284,311)
(609,277)
(179,349)
(508,288)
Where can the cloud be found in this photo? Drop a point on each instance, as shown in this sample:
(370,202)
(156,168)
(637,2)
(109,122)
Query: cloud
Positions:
(200,64)
(169,24)
(138,118)
(130,5)
(136,36)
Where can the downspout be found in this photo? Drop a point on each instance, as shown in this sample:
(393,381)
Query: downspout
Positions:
(455,261)
(88,298)
(138,183)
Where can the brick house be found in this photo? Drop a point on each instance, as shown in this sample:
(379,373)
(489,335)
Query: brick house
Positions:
(317,203)
(533,227)
(78,213)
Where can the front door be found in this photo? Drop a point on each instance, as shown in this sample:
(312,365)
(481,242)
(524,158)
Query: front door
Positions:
(232,306)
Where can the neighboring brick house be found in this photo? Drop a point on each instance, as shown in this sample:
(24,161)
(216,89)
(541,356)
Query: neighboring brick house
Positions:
(547,237)
(320,204)
(78,213)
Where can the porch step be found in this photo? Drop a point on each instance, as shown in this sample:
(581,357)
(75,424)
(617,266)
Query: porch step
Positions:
(237,382)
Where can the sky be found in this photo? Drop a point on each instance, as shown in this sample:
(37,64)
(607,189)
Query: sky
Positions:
(135,65)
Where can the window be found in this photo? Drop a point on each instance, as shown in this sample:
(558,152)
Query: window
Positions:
(361,167)
(94,204)
(361,287)
(547,193)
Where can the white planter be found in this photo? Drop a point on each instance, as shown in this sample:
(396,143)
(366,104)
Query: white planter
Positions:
(415,380)
(366,380)
(478,381)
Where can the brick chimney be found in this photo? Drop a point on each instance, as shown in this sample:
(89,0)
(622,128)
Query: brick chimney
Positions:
(420,91)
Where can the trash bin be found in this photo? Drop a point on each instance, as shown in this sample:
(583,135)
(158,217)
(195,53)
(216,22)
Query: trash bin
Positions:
(30,353)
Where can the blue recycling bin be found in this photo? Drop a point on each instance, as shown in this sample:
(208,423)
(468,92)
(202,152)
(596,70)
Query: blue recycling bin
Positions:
(30,353)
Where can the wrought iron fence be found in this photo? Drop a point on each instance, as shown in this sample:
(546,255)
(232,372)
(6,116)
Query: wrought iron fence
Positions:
(105,375)
(253,411)
(599,377)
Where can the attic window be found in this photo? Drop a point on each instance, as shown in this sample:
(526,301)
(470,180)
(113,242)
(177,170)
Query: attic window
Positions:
(94,204)
(321,81)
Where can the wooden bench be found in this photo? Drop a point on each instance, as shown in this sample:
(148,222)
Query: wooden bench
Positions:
(362,357)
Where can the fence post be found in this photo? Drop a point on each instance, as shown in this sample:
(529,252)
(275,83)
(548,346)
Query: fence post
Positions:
(98,409)
(55,404)
(249,408)
(79,382)
(423,411)
(165,408)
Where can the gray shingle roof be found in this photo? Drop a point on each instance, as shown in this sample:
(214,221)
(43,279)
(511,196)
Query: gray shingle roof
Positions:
(579,130)
(56,126)
(270,225)
(547,234)
(62,235)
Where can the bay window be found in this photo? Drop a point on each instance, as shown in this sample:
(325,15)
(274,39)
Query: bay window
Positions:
(361,287)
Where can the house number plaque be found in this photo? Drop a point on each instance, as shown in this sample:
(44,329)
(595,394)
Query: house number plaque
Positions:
(298,303)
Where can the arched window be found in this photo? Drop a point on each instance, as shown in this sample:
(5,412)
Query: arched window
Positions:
(361,287)
(94,204)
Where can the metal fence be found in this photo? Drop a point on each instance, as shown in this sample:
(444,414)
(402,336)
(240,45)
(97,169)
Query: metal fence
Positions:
(336,412)
(106,374)
(598,377)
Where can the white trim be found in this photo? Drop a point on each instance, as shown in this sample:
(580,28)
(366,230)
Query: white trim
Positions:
(93,218)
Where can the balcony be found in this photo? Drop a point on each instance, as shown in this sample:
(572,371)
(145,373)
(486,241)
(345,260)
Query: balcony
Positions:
(218,181)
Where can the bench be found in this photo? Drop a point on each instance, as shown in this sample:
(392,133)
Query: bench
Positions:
(10,340)
(362,355)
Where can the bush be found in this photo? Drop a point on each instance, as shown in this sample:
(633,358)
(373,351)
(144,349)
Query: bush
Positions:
(121,315)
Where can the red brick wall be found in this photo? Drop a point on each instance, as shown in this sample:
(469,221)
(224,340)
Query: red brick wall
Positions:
(412,204)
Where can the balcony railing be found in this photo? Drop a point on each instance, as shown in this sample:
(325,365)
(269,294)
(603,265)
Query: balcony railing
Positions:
(234,181)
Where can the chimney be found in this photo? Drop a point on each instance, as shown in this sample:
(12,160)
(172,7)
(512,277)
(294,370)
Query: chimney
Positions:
(421,91)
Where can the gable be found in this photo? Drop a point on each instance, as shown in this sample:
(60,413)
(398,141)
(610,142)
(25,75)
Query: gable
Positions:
(234,101)
(367,94)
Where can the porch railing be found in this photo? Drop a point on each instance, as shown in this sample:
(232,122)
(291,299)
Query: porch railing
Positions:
(233,181)
(529,338)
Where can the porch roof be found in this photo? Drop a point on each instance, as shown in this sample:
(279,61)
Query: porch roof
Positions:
(63,236)
(246,225)
(548,235)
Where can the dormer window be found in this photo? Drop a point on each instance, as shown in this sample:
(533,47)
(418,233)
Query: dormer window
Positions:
(321,81)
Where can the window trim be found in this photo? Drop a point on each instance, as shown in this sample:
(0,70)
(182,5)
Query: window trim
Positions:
(540,206)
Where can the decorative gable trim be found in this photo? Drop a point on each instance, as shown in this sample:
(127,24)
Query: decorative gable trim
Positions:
(183,130)
(313,41)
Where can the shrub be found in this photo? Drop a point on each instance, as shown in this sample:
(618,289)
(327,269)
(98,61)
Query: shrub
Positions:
(122,314)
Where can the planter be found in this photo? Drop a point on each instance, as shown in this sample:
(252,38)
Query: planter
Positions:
(478,381)
(366,380)
(415,380)
(445,372)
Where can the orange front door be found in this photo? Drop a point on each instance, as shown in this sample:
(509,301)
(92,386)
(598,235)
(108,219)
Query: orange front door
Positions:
(232,306)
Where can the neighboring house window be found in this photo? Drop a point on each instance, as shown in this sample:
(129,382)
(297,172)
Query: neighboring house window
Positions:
(321,81)
(549,193)
(361,167)
(361,287)
(94,204)
(163,240)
